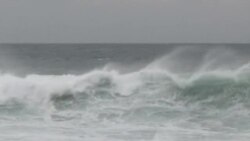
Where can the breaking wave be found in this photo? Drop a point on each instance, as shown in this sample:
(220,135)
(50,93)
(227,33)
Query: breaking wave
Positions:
(158,90)
(204,97)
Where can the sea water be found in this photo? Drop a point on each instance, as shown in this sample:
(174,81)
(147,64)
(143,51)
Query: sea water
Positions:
(124,92)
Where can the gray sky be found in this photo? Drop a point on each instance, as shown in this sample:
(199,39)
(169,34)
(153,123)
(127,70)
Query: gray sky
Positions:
(122,21)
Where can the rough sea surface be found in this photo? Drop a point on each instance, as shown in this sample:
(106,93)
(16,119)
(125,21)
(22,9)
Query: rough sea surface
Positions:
(129,92)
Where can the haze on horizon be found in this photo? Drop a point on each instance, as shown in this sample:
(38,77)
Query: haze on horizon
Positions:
(124,21)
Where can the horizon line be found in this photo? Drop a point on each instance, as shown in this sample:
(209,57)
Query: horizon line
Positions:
(122,43)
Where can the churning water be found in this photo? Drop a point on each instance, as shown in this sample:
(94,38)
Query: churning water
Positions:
(124,92)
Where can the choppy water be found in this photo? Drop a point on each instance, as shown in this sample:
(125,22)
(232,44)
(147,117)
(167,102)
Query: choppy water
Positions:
(125,92)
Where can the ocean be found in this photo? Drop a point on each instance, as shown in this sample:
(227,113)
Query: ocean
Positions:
(124,92)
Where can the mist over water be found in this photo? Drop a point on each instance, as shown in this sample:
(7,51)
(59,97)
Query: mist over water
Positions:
(125,92)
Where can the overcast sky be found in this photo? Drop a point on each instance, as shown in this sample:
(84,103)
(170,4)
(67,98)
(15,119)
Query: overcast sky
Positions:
(124,21)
